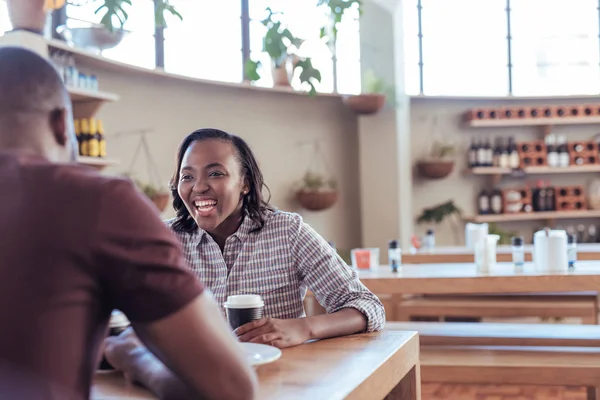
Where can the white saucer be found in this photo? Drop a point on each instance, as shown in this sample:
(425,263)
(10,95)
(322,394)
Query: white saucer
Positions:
(259,354)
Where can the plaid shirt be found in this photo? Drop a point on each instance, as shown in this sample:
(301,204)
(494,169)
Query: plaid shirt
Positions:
(279,262)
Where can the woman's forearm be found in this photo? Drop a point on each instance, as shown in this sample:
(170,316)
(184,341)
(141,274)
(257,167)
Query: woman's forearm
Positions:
(343,322)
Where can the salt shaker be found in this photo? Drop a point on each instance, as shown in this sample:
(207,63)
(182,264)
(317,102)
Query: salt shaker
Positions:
(394,255)
(572,250)
(518,251)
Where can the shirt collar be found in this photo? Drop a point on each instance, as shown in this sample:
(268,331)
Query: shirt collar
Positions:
(241,234)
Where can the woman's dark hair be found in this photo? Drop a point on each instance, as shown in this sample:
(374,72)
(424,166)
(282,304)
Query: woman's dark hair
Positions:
(254,205)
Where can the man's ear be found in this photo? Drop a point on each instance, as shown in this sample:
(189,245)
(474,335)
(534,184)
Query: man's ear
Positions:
(58,125)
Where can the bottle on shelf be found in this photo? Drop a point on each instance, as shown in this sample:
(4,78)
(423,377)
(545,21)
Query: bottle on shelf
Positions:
(496,202)
(429,241)
(481,154)
(497,153)
(483,203)
(504,156)
(85,137)
(563,151)
(571,250)
(514,161)
(93,142)
(472,154)
(77,126)
(101,138)
(551,151)
(489,153)
(539,197)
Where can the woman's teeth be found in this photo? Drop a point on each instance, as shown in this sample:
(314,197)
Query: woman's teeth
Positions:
(205,205)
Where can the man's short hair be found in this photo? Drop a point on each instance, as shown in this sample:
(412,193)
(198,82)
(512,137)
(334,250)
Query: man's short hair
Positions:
(29,83)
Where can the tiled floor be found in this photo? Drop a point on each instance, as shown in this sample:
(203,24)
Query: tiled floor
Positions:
(434,391)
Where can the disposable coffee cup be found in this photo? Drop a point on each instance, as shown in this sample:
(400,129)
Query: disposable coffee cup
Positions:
(118,323)
(243,308)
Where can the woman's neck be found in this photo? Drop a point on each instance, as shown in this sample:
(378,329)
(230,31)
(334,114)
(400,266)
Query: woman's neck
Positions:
(227,228)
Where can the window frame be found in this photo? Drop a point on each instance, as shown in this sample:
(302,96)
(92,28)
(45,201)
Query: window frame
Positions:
(60,17)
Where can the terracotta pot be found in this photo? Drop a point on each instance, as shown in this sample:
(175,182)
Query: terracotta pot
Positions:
(27,14)
(316,200)
(435,169)
(161,200)
(365,104)
(281,76)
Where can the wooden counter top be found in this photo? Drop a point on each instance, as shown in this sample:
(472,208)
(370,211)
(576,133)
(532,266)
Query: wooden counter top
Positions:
(366,366)
(461,254)
(465,279)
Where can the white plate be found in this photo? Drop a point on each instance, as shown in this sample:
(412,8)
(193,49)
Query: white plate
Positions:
(259,354)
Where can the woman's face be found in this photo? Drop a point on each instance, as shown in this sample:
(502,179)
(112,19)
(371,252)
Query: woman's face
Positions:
(211,185)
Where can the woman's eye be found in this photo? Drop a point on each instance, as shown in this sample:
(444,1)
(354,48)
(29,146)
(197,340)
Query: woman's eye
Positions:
(185,177)
(216,173)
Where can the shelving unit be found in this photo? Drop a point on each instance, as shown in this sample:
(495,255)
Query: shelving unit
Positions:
(534,216)
(99,163)
(572,169)
(498,123)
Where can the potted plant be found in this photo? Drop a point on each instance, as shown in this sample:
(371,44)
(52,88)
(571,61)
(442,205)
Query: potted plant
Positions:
(440,162)
(316,193)
(373,98)
(282,47)
(335,10)
(441,212)
(159,197)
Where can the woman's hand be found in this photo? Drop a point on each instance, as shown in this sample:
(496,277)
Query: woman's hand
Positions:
(275,332)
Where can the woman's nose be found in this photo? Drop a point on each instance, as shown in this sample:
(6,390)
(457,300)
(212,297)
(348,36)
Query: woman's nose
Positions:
(200,186)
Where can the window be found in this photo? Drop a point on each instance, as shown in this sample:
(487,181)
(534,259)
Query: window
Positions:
(554,47)
(5,24)
(138,45)
(464,47)
(208,42)
(305,20)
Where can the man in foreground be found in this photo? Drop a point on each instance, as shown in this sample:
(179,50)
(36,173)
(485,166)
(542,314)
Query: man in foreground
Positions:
(74,245)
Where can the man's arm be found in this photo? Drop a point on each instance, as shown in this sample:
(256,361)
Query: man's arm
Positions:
(193,368)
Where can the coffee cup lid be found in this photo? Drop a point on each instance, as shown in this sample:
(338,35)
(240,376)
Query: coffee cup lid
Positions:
(244,301)
(118,320)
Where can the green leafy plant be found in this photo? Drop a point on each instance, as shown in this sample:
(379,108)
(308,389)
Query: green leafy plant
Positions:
(251,70)
(505,236)
(442,149)
(114,12)
(437,214)
(282,46)
(336,10)
(373,84)
(313,181)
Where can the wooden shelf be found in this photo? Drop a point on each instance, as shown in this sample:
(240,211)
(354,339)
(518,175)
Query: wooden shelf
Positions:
(533,216)
(498,123)
(99,163)
(85,95)
(573,169)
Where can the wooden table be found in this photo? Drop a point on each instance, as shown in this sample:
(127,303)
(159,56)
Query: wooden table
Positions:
(465,279)
(461,254)
(366,366)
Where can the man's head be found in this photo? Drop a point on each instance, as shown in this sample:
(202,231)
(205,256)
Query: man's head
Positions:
(35,109)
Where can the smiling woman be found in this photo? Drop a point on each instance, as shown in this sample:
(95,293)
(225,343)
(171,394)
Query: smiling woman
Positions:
(237,243)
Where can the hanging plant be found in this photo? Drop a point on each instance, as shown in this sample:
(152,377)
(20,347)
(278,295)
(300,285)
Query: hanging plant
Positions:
(376,92)
(315,191)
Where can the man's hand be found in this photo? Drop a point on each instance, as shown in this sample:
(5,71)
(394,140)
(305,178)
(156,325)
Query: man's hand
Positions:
(120,352)
(275,332)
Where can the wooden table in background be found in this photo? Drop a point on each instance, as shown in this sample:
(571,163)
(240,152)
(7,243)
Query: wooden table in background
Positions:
(366,366)
(461,254)
(465,279)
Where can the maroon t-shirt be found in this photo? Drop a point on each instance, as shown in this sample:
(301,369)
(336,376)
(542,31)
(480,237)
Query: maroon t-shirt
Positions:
(74,245)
